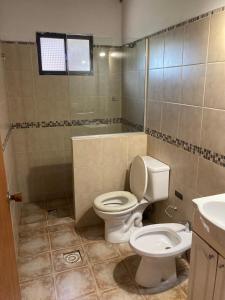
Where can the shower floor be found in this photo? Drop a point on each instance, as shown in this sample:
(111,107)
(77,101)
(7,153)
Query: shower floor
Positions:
(56,261)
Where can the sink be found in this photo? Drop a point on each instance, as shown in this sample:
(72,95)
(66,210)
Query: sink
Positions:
(212,208)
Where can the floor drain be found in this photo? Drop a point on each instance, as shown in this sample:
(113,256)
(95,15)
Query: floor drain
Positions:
(72,257)
(52,212)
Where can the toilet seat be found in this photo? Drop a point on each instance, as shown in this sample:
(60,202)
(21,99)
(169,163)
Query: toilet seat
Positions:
(161,240)
(115,201)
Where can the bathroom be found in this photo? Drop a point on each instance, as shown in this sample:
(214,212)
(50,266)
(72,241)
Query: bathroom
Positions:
(112,162)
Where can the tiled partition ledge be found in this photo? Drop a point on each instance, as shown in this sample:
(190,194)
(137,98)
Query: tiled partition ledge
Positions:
(207,154)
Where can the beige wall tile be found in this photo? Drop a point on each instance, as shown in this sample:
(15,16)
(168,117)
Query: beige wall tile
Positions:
(174,47)
(141,55)
(172,84)
(193,79)
(213,129)
(153,147)
(196,42)
(185,207)
(190,124)
(155,84)
(10,52)
(137,145)
(210,178)
(215,90)
(156,51)
(154,115)
(186,168)
(88,152)
(170,119)
(217,40)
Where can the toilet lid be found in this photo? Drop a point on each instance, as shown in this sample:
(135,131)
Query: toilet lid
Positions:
(138,177)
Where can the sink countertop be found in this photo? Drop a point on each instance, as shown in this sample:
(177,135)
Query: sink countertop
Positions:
(205,222)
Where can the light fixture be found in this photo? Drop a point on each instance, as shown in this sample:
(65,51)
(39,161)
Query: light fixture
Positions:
(102,54)
(114,54)
(83,62)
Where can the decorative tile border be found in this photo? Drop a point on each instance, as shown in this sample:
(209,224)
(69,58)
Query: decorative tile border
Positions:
(207,154)
(5,142)
(65,123)
(133,126)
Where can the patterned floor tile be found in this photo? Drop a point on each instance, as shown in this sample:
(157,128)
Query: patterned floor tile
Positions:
(64,239)
(38,289)
(125,249)
(92,233)
(110,274)
(30,230)
(33,218)
(101,251)
(75,283)
(34,266)
(129,292)
(33,245)
(171,294)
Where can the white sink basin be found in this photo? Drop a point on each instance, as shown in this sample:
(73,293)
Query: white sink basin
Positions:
(212,208)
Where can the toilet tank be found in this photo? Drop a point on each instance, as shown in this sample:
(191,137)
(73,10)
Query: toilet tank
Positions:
(158,179)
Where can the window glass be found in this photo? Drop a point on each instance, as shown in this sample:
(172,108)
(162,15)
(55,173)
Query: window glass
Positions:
(53,54)
(78,51)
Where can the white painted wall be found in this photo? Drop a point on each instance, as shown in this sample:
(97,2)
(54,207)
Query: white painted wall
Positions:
(20,19)
(143,17)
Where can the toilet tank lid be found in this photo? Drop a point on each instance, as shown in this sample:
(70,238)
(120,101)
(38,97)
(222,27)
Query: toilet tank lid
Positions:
(155,165)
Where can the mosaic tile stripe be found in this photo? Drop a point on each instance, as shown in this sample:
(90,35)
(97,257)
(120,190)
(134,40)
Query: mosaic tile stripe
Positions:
(5,142)
(207,154)
(65,123)
(136,127)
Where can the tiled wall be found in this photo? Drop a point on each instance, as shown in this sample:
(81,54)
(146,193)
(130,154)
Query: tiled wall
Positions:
(133,86)
(9,155)
(186,109)
(43,155)
(101,165)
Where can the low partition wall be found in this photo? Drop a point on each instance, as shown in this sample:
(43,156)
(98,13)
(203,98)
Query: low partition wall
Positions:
(100,165)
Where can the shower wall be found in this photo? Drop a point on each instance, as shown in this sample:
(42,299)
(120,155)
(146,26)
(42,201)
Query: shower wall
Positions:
(8,152)
(133,85)
(44,110)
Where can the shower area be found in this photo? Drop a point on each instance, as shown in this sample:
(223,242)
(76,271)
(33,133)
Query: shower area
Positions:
(45,111)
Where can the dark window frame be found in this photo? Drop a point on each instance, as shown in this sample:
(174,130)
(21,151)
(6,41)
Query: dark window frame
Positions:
(64,36)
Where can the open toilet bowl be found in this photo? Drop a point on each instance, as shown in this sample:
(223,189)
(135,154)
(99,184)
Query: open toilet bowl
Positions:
(122,211)
(159,245)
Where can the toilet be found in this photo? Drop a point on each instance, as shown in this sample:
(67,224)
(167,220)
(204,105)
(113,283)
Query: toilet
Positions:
(159,245)
(122,211)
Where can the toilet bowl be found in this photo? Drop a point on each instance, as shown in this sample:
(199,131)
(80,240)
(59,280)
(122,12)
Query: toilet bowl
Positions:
(122,211)
(159,245)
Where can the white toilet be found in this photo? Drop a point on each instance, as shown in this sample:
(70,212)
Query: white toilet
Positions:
(158,245)
(122,211)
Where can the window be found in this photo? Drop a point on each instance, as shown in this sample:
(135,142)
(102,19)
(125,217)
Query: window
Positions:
(61,54)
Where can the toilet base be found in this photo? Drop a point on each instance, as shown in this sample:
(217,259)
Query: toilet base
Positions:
(118,233)
(156,273)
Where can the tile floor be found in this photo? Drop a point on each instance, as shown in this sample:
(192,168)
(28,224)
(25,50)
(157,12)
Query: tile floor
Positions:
(102,270)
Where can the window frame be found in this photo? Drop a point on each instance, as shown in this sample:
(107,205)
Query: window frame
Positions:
(64,36)
(81,37)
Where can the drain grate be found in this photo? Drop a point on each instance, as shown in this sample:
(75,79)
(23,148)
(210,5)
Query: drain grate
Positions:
(52,212)
(72,257)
